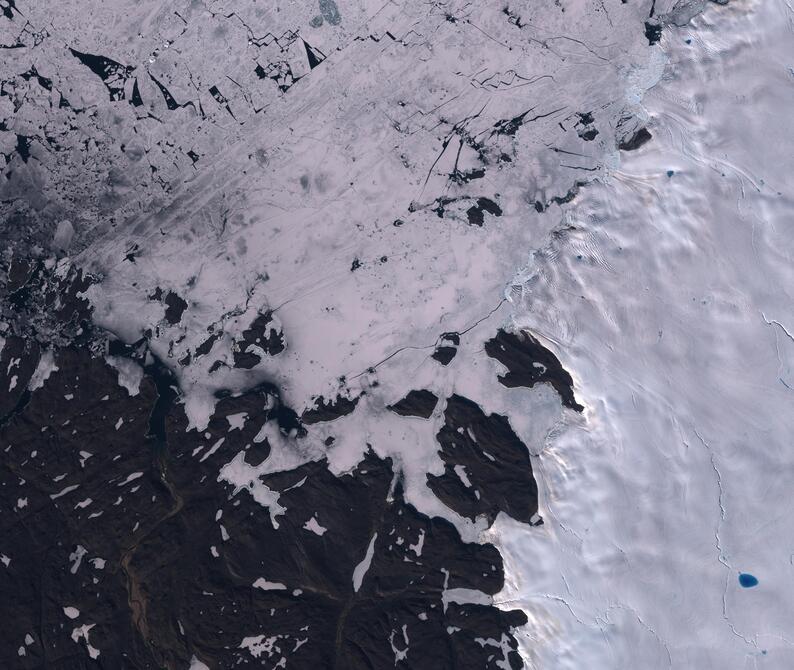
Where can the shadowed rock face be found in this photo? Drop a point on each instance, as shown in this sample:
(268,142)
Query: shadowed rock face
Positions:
(263,337)
(447,348)
(261,333)
(486,467)
(159,557)
(528,363)
(416,403)
(175,307)
(329,410)
(635,141)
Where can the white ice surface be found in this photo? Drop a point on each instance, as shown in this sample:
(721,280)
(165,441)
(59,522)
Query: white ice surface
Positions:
(245,477)
(45,367)
(361,569)
(265,585)
(261,644)
(130,373)
(672,302)
(314,526)
(71,612)
(195,664)
(83,632)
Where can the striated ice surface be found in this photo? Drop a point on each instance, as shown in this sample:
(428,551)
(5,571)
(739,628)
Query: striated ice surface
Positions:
(670,293)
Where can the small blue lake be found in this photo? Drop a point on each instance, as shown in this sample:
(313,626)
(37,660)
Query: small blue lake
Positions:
(747,580)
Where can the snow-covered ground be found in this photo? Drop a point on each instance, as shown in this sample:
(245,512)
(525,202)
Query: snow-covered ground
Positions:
(670,294)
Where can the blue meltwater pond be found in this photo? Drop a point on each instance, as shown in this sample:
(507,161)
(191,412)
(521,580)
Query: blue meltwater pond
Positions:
(747,580)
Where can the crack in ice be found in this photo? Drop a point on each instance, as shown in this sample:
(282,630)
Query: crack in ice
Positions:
(720,552)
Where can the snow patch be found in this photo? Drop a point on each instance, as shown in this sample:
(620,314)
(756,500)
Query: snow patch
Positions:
(361,569)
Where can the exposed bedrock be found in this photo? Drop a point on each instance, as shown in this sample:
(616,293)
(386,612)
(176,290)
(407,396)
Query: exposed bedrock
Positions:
(122,546)
(486,466)
(528,363)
